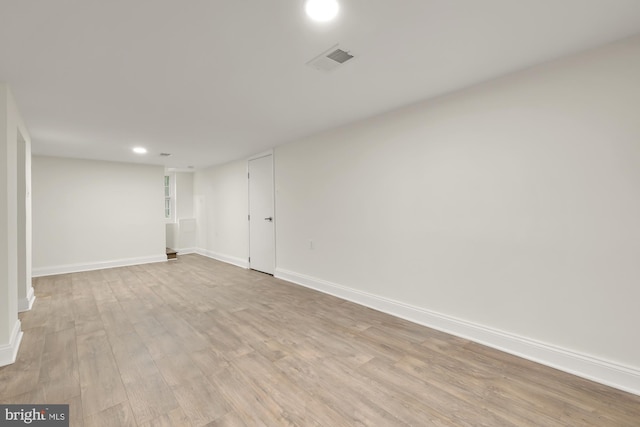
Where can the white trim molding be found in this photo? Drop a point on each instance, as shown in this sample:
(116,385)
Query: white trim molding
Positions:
(186,251)
(9,351)
(602,371)
(74,268)
(25,304)
(244,263)
(265,153)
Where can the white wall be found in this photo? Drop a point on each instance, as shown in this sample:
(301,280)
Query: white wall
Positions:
(514,206)
(15,248)
(185,217)
(26,296)
(90,214)
(184,191)
(221,207)
(506,213)
(181,234)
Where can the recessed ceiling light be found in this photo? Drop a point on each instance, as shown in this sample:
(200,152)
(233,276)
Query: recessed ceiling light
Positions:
(322,10)
(140,150)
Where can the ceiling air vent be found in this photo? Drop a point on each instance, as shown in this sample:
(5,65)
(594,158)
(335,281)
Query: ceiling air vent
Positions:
(165,154)
(330,59)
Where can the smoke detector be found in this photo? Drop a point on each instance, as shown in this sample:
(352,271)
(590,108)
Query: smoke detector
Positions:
(330,59)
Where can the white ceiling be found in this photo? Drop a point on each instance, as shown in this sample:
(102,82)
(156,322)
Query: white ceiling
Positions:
(215,80)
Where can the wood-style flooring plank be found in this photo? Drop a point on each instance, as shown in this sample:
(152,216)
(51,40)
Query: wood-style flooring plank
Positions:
(22,377)
(176,369)
(201,401)
(100,382)
(291,403)
(119,415)
(173,418)
(150,398)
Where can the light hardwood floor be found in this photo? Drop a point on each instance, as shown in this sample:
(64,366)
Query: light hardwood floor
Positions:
(197,342)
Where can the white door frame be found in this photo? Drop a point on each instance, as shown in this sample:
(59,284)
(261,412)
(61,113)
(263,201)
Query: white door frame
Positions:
(269,152)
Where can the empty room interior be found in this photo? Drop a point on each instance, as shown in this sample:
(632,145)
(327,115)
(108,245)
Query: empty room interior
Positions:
(320,213)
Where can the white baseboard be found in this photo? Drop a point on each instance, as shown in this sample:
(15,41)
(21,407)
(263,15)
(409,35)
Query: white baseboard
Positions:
(25,304)
(186,251)
(74,268)
(9,351)
(224,258)
(583,365)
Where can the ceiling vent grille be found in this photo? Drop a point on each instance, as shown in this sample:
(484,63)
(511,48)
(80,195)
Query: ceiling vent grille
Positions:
(340,56)
(330,59)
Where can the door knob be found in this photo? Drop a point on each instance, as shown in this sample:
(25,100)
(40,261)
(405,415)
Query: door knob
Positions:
(270,219)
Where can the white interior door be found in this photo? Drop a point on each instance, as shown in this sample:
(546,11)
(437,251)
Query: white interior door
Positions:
(261,215)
